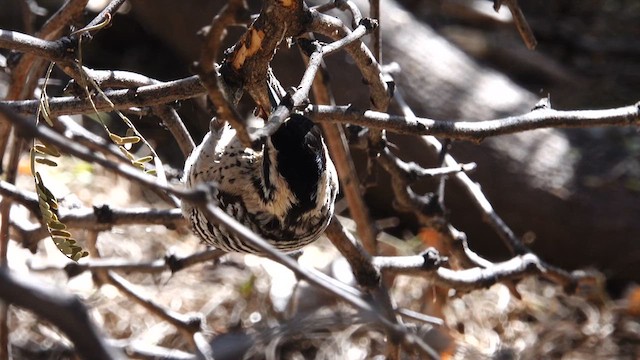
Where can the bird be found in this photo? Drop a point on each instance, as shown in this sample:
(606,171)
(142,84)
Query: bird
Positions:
(284,191)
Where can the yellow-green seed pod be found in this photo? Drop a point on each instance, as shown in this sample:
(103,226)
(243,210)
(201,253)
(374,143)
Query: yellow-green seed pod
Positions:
(115,138)
(126,153)
(46,161)
(144,160)
(57,225)
(130,140)
(47,150)
(60,233)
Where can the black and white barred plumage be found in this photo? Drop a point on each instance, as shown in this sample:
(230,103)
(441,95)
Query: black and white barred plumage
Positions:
(285,192)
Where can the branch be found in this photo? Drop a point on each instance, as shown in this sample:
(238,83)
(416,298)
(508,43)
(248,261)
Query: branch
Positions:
(370,69)
(51,50)
(208,73)
(99,217)
(341,156)
(140,350)
(169,116)
(170,262)
(149,95)
(521,23)
(103,17)
(66,312)
(477,131)
(246,66)
(429,263)
(189,324)
(301,95)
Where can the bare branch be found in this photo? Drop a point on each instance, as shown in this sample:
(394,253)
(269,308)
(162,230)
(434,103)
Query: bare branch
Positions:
(476,131)
(143,96)
(246,66)
(430,264)
(188,324)
(341,156)
(169,116)
(208,71)
(521,23)
(170,262)
(66,312)
(370,69)
(104,16)
(52,50)
(297,99)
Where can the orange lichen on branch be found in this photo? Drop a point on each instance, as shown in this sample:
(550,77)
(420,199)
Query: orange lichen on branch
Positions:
(287,3)
(251,43)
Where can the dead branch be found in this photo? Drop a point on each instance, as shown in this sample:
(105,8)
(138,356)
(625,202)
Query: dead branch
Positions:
(66,312)
(208,71)
(170,262)
(477,131)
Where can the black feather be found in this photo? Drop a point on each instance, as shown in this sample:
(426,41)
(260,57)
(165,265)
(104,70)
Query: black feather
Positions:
(300,159)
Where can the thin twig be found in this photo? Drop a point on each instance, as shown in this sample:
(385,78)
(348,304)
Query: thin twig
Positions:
(365,61)
(104,16)
(187,324)
(340,153)
(429,264)
(139,350)
(521,22)
(170,263)
(297,99)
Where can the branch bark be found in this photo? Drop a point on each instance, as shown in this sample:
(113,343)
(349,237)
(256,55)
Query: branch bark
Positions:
(66,312)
